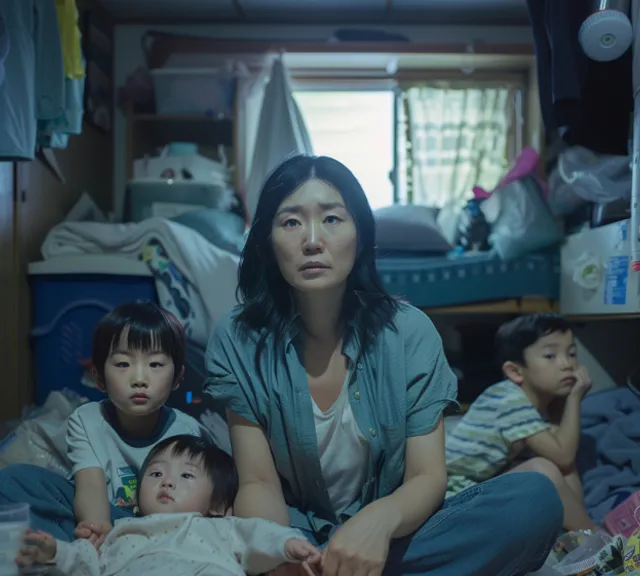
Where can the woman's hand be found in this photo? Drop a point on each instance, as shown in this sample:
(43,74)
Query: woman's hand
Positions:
(361,546)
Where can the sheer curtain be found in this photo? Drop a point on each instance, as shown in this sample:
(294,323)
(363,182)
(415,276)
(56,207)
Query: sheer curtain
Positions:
(452,137)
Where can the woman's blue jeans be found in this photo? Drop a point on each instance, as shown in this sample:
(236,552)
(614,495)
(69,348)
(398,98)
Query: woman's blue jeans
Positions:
(503,527)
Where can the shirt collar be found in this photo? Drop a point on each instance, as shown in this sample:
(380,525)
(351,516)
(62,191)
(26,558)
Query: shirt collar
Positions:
(352,342)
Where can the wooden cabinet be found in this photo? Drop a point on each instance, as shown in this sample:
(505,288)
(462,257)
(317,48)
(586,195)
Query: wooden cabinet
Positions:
(10,393)
(32,201)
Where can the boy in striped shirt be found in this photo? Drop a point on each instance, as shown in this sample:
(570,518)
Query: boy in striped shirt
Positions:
(534,413)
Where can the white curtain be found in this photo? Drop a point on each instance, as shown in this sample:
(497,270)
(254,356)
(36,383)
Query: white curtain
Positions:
(281,133)
(452,138)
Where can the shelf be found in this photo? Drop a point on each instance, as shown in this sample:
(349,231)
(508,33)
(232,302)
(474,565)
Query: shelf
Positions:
(527,305)
(148,132)
(602,317)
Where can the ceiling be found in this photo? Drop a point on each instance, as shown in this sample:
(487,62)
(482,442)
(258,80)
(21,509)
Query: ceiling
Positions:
(494,12)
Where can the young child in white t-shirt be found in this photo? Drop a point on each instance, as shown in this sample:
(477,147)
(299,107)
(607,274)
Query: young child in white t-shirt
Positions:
(187,488)
(138,359)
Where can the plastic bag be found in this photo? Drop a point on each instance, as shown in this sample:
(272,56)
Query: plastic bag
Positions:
(586,553)
(583,176)
(40,438)
(520,219)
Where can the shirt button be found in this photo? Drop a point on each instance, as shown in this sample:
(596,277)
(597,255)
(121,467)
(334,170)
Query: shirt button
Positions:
(359,366)
(372,432)
(357,395)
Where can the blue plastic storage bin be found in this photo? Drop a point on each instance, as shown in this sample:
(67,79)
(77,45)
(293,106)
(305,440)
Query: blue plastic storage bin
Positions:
(65,310)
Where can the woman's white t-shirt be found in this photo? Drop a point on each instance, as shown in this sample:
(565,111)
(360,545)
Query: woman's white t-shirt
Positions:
(343,450)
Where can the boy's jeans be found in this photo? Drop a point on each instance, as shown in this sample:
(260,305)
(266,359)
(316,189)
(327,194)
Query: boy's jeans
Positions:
(50,496)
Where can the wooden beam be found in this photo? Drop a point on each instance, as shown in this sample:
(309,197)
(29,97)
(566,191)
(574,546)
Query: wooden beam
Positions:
(165,45)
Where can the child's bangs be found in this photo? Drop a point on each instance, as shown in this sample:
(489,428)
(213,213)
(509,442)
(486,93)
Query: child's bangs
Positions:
(181,448)
(145,339)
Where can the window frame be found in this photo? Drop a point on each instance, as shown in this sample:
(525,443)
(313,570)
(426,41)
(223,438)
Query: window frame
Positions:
(362,80)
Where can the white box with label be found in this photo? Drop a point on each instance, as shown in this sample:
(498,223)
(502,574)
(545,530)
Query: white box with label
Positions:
(596,275)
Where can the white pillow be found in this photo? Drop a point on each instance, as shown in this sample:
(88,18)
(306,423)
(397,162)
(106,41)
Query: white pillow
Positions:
(409,228)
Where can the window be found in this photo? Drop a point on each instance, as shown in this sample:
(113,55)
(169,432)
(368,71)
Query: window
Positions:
(451,139)
(356,128)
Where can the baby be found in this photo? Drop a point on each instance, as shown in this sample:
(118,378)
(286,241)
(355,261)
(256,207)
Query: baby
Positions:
(186,490)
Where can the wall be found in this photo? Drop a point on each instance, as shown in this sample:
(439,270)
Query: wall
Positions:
(42,201)
(128,56)
(609,348)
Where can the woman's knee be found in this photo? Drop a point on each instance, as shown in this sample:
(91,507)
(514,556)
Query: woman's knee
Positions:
(546,468)
(536,497)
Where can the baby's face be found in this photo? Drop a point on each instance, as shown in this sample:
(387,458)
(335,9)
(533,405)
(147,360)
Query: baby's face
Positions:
(175,484)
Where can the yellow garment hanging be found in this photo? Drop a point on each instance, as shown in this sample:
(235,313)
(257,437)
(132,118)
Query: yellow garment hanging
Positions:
(70,38)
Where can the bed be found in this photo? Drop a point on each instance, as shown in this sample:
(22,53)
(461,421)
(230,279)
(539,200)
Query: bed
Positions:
(466,279)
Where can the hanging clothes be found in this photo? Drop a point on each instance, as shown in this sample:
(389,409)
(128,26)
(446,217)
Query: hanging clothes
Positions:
(635,20)
(281,133)
(588,102)
(55,133)
(4,47)
(34,87)
(70,39)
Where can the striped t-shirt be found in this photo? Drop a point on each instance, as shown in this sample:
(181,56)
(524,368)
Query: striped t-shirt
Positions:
(490,435)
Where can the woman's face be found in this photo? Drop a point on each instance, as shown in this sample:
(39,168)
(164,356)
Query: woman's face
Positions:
(314,238)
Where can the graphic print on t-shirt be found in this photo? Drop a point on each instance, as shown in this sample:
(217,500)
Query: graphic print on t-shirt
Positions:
(126,491)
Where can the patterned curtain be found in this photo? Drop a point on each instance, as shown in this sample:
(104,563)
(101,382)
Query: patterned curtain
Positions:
(451,139)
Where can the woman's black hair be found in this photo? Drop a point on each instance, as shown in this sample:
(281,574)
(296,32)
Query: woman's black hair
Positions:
(218,465)
(147,327)
(265,296)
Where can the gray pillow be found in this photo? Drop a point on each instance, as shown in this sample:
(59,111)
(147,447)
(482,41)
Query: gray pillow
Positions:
(408,228)
(223,229)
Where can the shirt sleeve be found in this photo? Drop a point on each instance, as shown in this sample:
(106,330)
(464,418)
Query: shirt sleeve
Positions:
(260,544)
(79,449)
(519,419)
(229,378)
(50,88)
(78,558)
(431,384)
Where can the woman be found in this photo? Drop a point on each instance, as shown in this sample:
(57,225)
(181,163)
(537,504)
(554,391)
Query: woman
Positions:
(335,394)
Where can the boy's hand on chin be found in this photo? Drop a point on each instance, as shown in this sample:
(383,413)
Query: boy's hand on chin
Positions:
(583,383)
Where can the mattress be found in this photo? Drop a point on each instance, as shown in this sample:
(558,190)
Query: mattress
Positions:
(458,279)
